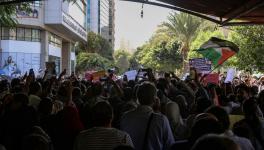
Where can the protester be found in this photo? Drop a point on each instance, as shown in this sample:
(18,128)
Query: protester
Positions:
(148,113)
(147,129)
(223,118)
(101,135)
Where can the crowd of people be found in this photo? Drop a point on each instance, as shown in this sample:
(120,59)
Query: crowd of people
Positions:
(148,113)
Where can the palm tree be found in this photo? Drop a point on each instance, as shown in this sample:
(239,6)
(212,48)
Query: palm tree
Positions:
(183,27)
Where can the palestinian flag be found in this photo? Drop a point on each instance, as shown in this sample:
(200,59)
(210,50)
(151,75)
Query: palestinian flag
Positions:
(218,50)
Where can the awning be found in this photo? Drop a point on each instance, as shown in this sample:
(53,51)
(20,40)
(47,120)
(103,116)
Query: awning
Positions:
(223,12)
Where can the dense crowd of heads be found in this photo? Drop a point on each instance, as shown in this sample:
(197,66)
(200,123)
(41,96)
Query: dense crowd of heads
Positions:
(148,113)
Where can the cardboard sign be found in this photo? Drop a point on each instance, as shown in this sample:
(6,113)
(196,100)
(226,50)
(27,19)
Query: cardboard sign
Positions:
(202,65)
(230,75)
(94,75)
(131,75)
(212,78)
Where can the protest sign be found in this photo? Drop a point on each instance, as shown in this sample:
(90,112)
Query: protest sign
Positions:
(94,75)
(212,78)
(97,75)
(230,75)
(131,75)
(202,65)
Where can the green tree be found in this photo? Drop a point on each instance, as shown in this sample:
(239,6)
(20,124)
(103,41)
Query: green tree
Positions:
(202,37)
(161,53)
(184,28)
(92,61)
(250,40)
(7,13)
(96,44)
(122,60)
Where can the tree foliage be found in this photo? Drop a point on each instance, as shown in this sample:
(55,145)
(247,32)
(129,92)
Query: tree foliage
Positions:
(8,13)
(202,37)
(96,44)
(92,61)
(161,53)
(250,40)
(122,60)
(184,27)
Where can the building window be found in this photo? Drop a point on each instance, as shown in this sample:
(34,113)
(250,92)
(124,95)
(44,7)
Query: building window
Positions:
(35,35)
(12,33)
(55,40)
(5,33)
(20,34)
(28,35)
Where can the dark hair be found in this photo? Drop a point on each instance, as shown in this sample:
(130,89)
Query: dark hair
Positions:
(21,98)
(76,92)
(250,107)
(146,93)
(45,106)
(215,142)
(34,87)
(205,126)
(128,93)
(202,104)
(162,84)
(221,115)
(101,114)
(97,89)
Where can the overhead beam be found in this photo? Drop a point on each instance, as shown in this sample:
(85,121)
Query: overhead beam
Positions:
(242,23)
(242,10)
(175,8)
(9,2)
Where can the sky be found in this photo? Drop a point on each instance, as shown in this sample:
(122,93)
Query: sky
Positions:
(129,25)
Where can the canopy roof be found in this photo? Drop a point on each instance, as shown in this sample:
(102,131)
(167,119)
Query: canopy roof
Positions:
(224,12)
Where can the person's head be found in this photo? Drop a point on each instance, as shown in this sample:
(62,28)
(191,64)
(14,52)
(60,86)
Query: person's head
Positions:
(97,89)
(125,78)
(19,100)
(146,93)
(221,116)
(131,83)
(204,124)
(163,85)
(45,106)
(202,104)
(101,115)
(76,93)
(215,142)
(128,93)
(250,107)
(35,88)
(243,92)
(254,90)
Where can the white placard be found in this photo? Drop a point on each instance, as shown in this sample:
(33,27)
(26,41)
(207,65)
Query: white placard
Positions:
(230,75)
(131,75)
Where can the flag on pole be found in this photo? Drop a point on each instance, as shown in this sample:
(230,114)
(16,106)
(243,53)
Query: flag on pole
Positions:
(218,50)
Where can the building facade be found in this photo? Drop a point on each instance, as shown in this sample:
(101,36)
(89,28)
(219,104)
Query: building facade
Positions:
(47,34)
(101,18)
